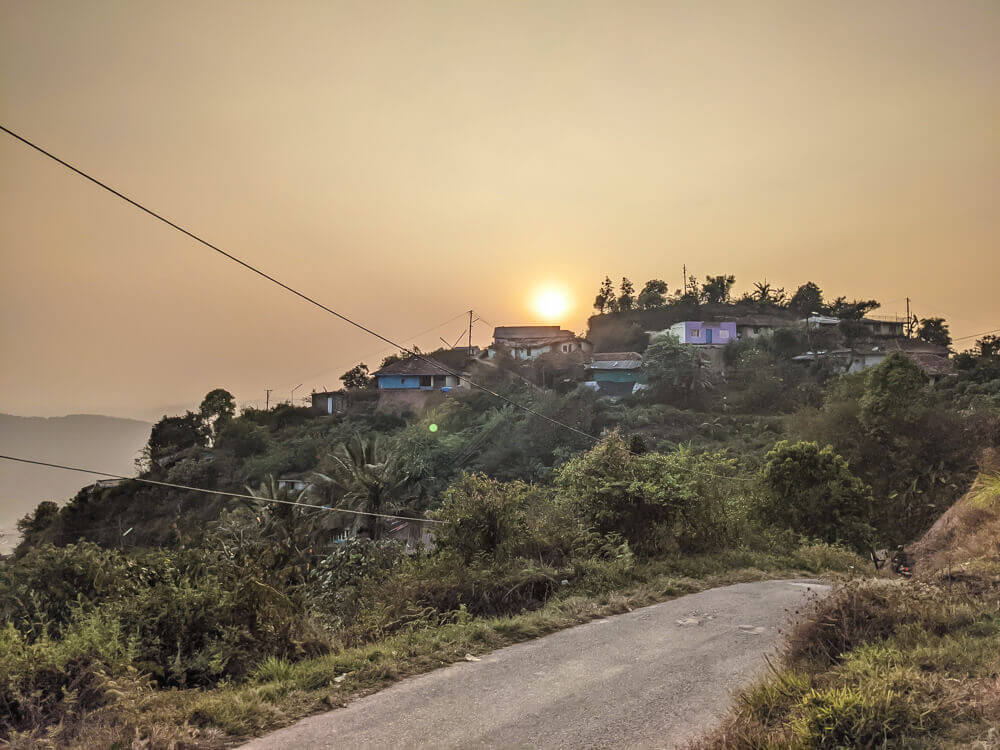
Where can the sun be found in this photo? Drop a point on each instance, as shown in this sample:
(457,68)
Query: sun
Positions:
(551,304)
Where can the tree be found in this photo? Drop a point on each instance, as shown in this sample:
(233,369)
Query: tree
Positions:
(605,300)
(894,400)
(767,296)
(626,299)
(813,492)
(173,434)
(807,300)
(357,378)
(854,310)
(934,331)
(675,371)
(717,288)
(370,477)
(653,295)
(38,519)
(217,408)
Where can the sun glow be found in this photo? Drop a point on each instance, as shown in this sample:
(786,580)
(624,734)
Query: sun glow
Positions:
(551,304)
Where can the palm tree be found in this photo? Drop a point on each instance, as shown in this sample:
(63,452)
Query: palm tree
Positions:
(294,529)
(371,478)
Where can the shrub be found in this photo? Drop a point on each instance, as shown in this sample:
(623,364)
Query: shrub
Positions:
(481,516)
(813,492)
(657,502)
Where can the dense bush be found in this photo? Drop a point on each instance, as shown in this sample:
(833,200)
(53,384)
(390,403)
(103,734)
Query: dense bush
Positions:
(680,501)
(812,491)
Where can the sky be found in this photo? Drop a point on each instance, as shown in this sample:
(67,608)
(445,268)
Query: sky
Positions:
(406,162)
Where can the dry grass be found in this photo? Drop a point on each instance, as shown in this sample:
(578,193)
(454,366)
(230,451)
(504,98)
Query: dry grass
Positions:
(891,662)
(281,692)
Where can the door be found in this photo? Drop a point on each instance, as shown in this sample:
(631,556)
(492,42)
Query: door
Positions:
(708,335)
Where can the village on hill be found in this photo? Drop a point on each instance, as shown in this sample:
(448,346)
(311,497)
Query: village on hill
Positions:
(836,337)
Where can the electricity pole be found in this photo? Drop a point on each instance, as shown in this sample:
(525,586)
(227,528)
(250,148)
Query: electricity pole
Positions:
(684,278)
(267,400)
(470,333)
(909,324)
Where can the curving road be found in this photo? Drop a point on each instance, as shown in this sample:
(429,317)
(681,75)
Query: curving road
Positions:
(653,678)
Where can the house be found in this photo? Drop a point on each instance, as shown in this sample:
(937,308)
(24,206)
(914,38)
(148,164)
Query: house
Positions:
(616,373)
(413,532)
(931,358)
(884,326)
(529,342)
(329,402)
(294,483)
(698,332)
(409,383)
(752,326)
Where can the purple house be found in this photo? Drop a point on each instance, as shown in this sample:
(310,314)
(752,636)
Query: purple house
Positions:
(698,332)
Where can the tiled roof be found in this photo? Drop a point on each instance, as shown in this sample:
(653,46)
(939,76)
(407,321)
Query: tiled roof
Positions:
(413,366)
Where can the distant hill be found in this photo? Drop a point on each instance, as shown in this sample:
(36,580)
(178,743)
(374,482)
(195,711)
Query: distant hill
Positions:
(86,440)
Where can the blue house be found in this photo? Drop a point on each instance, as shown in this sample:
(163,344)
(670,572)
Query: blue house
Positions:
(416,375)
(616,373)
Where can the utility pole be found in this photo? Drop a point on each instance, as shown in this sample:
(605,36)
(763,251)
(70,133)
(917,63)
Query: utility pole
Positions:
(267,400)
(909,324)
(470,333)
(684,278)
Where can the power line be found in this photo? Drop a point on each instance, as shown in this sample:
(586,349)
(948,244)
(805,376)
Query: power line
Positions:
(976,335)
(215,492)
(294,291)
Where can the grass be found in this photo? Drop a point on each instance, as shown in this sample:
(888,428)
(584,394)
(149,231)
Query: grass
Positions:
(279,692)
(892,663)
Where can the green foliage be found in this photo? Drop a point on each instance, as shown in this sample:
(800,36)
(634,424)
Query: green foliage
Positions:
(217,407)
(807,300)
(358,377)
(626,296)
(675,372)
(653,295)
(934,331)
(481,517)
(656,502)
(173,434)
(368,475)
(717,288)
(813,492)
(894,399)
(39,519)
(243,438)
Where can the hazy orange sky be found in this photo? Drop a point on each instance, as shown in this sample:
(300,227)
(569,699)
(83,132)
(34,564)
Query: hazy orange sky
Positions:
(404,162)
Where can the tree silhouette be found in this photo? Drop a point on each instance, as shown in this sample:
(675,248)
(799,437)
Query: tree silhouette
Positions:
(626,299)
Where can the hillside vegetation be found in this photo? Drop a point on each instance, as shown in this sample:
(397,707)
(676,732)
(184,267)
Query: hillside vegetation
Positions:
(894,663)
(152,612)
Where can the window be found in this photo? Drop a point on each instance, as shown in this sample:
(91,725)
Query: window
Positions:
(425,381)
(696,332)
(440,380)
(723,333)
(565,347)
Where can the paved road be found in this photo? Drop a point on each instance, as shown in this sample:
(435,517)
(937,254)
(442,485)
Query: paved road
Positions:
(652,678)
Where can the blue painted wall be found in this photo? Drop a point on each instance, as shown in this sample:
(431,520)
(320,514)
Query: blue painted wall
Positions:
(398,381)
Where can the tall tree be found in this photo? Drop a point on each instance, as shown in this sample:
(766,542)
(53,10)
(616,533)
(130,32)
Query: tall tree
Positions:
(357,378)
(853,310)
(605,300)
(717,288)
(934,331)
(217,408)
(807,300)
(653,295)
(626,298)
(767,296)
(369,476)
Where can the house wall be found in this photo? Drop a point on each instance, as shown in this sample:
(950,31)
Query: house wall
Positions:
(518,351)
(752,332)
(388,382)
(697,332)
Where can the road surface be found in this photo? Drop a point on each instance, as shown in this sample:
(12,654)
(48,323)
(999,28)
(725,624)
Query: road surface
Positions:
(653,678)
